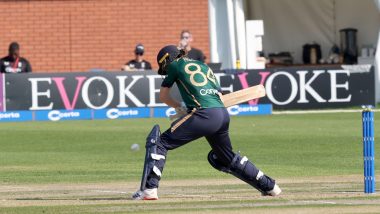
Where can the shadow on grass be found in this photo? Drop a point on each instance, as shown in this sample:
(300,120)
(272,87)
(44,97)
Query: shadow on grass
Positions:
(75,199)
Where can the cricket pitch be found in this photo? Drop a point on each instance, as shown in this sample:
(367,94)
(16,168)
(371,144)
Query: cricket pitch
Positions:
(335,194)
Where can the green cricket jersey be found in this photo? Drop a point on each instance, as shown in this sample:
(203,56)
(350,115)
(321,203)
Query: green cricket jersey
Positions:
(196,83)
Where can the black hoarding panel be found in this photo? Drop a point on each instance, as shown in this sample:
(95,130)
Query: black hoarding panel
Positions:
(82,90)
(287,88)
(306,87)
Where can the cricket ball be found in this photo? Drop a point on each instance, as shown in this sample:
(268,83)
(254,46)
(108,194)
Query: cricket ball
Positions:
(135,147)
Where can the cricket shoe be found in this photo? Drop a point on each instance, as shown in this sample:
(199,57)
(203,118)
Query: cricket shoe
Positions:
(147,194)
(275,191)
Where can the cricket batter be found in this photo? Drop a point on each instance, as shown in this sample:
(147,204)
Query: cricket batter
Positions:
(204,115)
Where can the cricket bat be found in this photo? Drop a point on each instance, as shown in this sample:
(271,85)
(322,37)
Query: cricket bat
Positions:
(243,95)
(238,97)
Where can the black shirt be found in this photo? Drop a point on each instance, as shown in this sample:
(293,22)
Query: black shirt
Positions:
(143,65)
(196,54)
(8,65)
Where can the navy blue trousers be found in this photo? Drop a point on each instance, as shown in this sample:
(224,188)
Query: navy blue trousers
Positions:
(211,123)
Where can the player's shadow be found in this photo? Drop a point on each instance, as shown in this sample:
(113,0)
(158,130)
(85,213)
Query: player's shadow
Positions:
(76,199)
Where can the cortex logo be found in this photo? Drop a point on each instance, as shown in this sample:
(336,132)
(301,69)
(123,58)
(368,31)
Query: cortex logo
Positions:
(170,111)
(204,92)
(11,115)
(115,113)
(57,115)
(236,110)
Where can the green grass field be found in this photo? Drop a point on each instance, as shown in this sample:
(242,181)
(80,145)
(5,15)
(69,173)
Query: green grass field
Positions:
(96,154)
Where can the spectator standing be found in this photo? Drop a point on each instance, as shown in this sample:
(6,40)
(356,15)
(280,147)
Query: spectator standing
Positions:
(138,63)
(185,43)
(14,63)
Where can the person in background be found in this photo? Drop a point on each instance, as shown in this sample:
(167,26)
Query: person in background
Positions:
(138,63)
(185,44)
(14,63)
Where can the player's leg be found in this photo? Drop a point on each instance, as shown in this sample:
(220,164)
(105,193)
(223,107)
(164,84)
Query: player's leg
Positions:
(186,129)
(224,159)
(154,161)
(197,124)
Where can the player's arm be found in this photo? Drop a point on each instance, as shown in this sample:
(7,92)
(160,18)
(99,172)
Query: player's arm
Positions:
(167,99)
(166,85)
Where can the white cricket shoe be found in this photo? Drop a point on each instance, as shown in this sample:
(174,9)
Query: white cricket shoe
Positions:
(147,194)
(275,191)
